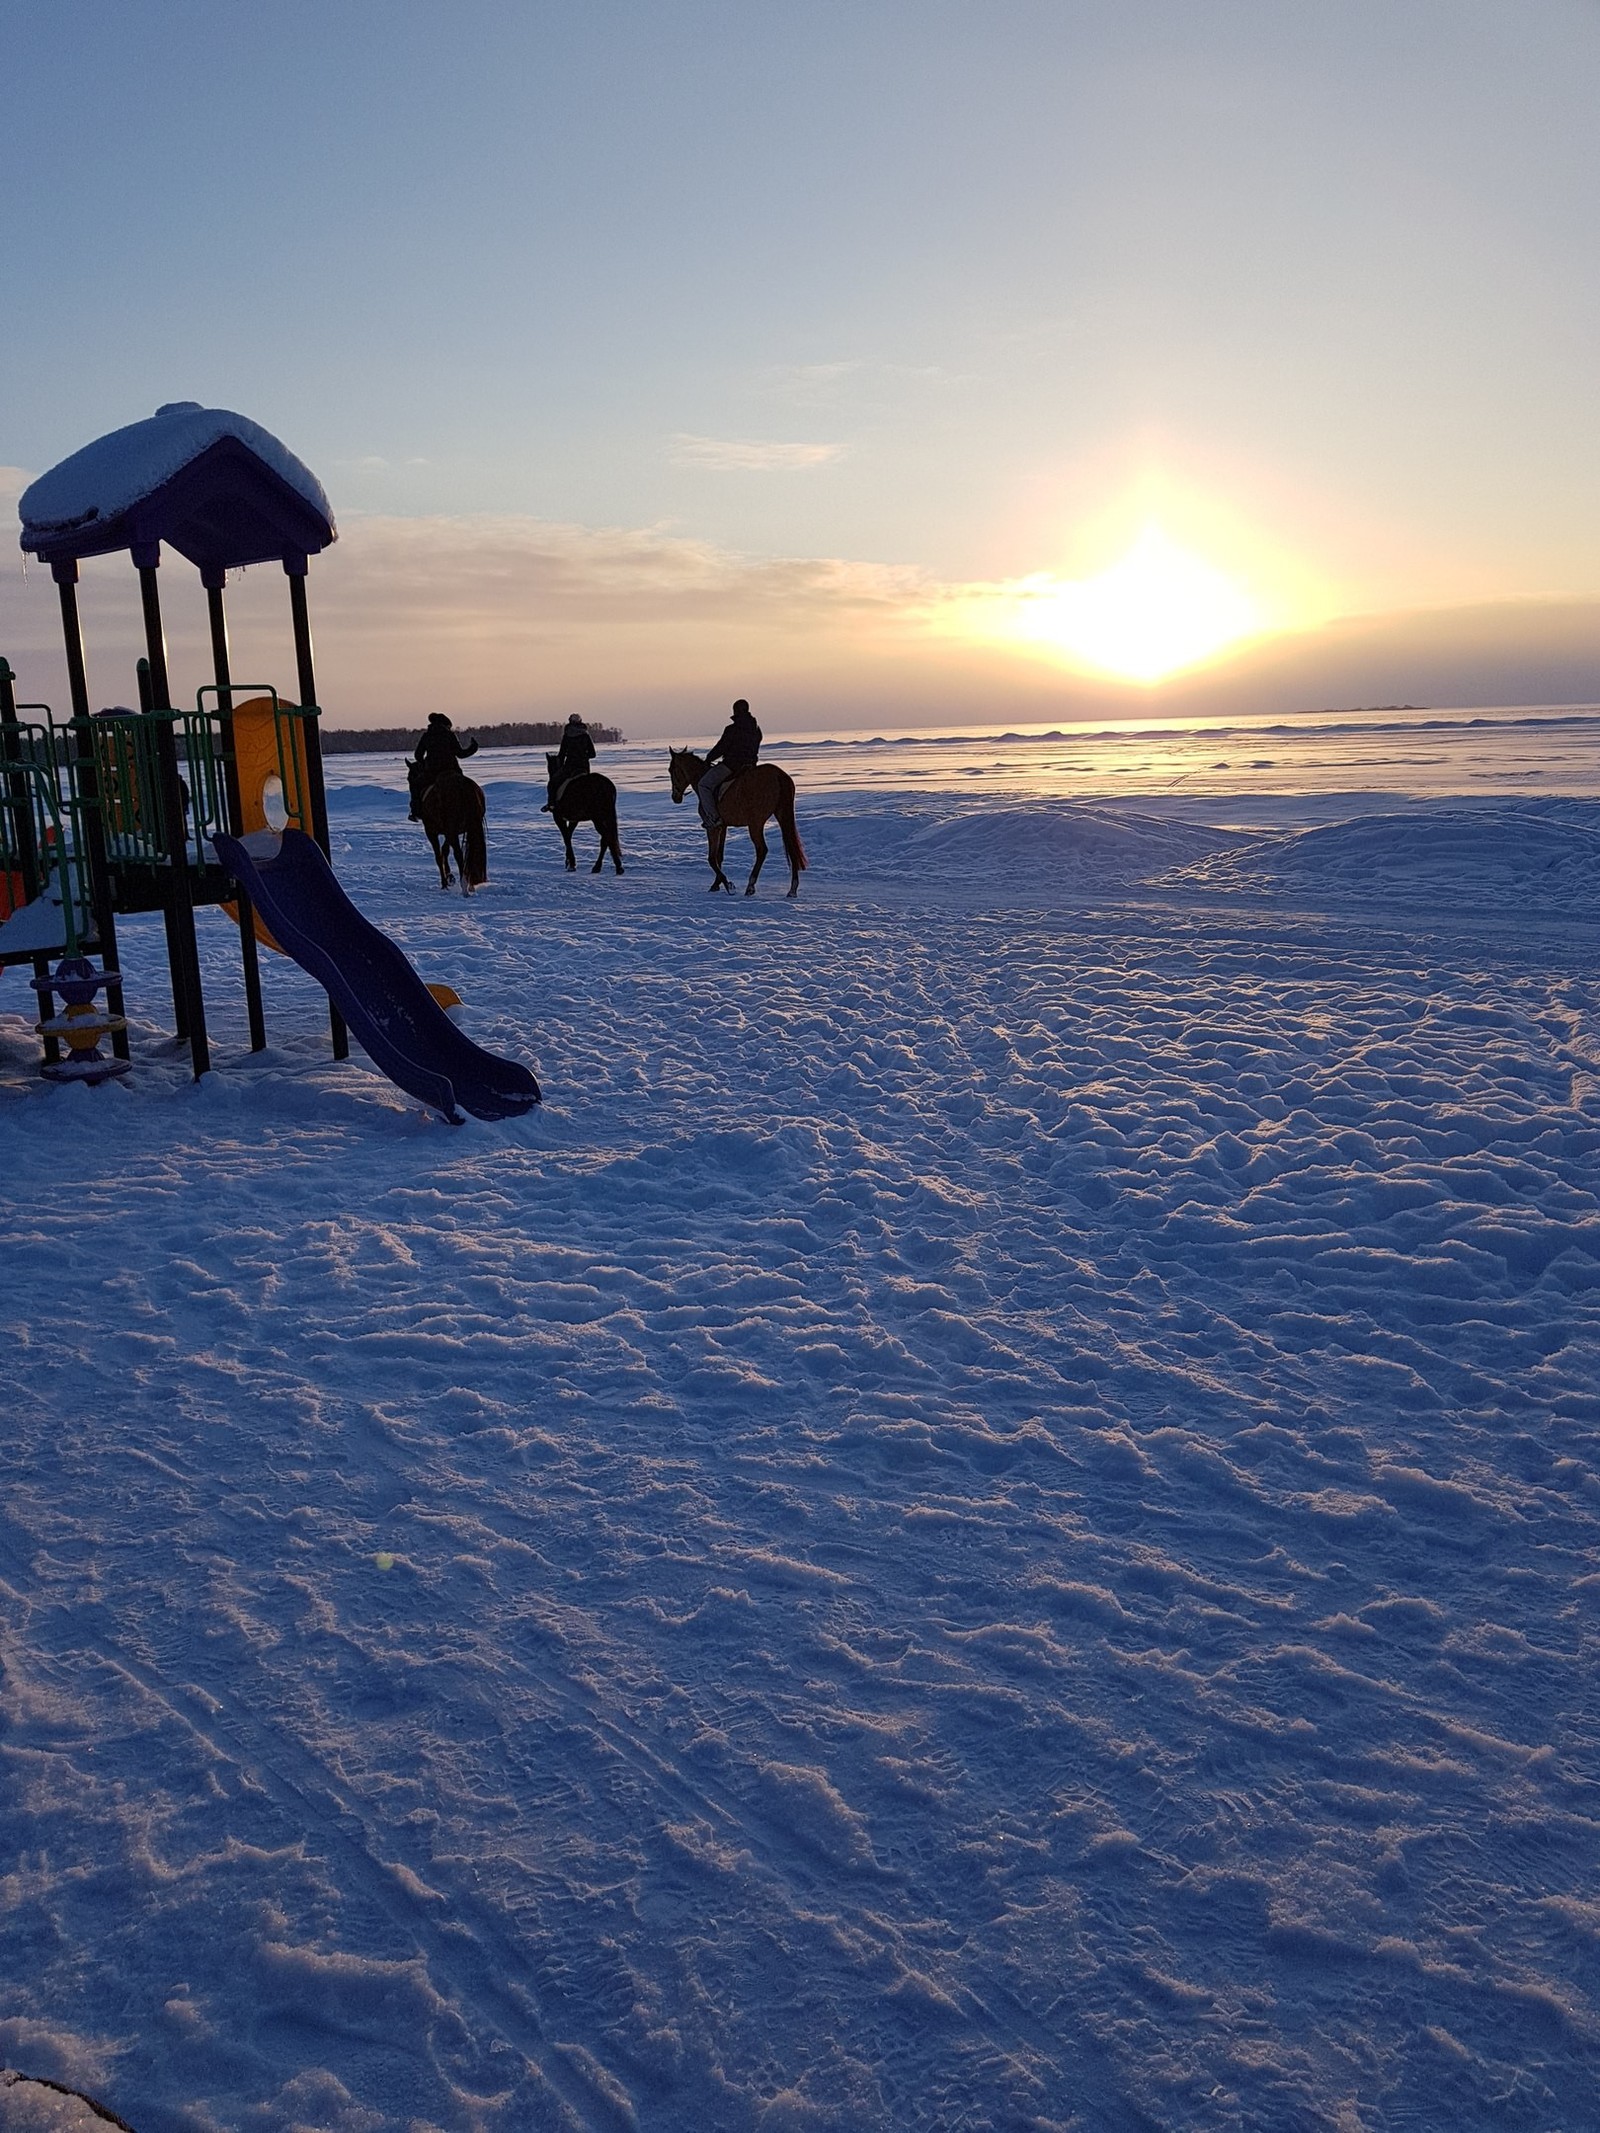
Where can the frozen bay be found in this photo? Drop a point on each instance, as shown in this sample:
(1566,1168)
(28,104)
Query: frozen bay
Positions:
(988,1519)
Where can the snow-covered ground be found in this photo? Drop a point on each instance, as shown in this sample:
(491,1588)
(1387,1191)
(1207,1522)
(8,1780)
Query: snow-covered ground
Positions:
(988,1519)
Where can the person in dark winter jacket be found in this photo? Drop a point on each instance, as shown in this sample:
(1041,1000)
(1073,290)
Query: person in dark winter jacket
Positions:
(737,750)
(573,757)
(436,750)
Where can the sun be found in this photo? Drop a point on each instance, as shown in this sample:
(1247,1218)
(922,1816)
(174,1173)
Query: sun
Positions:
(1156,611)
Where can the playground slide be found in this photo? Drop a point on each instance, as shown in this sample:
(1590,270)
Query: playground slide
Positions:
(391,1013)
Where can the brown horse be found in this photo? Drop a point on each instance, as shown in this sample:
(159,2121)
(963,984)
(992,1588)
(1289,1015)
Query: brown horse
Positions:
(587,796)
(450,807)
(749,800)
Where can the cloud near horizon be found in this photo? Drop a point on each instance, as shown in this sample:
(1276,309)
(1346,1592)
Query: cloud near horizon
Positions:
(506,617)
(733,455)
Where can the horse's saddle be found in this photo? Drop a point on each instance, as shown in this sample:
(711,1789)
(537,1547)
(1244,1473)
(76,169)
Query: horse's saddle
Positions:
(562,774)
(725,791)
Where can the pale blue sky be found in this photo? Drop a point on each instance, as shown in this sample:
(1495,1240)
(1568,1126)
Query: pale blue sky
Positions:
(1332,268)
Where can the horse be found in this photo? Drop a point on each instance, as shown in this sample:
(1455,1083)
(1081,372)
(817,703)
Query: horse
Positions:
(450,808)
(585,797)
(749,800)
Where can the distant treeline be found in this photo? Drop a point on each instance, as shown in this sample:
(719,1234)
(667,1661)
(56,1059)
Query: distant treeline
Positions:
(400,740)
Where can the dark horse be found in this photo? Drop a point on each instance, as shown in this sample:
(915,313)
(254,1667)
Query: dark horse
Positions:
(749,800)
(587,797)
(450,808)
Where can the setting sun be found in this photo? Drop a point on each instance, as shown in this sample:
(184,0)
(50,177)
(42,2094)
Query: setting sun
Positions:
(1157,610)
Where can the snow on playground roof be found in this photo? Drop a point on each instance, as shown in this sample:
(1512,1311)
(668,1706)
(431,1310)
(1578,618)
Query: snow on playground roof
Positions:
(214,485)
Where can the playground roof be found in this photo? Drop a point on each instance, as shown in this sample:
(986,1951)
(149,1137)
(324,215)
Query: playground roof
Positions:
(217,487)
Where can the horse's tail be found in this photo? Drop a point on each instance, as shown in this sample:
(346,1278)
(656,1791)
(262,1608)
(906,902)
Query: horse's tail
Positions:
(605,821)
(793,850)
(477,868)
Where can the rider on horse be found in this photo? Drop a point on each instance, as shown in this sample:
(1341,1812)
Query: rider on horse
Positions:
(573,757)
(737,750)
(438,749)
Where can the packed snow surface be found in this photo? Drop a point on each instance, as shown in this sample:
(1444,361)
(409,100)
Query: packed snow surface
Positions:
(119,470)
(987,1520)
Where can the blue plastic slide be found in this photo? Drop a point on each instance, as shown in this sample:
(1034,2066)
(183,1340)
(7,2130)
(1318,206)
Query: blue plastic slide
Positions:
(396,1020)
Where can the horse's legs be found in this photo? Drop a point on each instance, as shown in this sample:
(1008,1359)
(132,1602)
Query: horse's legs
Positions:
(441,857)
(715,841)
(566,837)
(760,843)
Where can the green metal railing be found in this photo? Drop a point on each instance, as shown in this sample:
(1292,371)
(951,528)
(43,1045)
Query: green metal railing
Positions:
(152,767)
(161,784)
(43,849)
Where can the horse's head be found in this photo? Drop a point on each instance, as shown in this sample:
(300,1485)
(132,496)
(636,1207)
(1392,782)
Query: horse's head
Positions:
(550,762)
(686,767)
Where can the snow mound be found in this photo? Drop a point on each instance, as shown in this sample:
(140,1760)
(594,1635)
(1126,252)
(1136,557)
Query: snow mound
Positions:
(1066,838)
(365,801)
(1481,856)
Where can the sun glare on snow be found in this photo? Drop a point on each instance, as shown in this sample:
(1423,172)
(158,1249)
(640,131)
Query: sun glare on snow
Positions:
(1158,610)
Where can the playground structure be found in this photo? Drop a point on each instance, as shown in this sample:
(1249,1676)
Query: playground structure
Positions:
(113,815)
(163,809)
(121,833)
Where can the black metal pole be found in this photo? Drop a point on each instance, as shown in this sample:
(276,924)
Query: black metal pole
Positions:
(150,804)
(249,957)
(19,799)
(317,797)
(186,964)
(94,830)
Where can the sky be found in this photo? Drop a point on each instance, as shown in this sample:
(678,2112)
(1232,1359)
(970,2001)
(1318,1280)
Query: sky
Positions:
(886,363)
